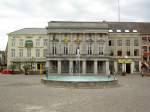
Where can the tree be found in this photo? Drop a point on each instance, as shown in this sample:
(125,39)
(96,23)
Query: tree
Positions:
(26,68)
(12,67)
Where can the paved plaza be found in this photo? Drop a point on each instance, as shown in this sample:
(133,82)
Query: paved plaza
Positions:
(20,93)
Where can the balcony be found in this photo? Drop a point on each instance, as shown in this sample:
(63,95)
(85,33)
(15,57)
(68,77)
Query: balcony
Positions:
(74,56)
(25,59)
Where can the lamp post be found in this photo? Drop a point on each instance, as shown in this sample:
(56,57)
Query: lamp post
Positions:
(46,67)
(124,65)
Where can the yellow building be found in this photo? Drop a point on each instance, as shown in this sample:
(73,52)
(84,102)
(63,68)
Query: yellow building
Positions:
(27,46)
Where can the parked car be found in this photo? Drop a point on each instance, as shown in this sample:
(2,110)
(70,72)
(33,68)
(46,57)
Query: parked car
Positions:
(6,71)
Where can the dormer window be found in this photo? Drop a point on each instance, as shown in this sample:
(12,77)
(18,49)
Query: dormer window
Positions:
(118,30)
(134,31)
(127,31)
(110,31)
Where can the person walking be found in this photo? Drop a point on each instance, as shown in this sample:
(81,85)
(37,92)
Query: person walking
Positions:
(142,74)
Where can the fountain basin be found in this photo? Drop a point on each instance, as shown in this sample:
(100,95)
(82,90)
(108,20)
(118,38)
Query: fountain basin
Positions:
(80,81)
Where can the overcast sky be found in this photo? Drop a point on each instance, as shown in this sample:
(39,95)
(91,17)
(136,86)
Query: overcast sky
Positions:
(17,14)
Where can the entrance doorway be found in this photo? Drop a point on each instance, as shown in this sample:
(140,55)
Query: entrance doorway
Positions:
(65,66)
(128,68)
(90,66)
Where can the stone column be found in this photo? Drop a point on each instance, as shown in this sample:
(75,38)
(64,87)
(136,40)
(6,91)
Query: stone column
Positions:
(140,64)
(116,66)
(84,67)
(49,68)
(59,67)
(132,67)
(123,67)
(107,67)
(70,66)
(95,67)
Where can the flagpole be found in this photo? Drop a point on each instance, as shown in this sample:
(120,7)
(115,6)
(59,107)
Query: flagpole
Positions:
(118,11)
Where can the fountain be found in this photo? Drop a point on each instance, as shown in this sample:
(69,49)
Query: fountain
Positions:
(79,81)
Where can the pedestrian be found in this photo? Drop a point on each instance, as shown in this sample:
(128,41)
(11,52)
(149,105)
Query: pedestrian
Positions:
(142,74)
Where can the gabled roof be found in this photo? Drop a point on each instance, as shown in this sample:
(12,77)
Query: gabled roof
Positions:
(29,31)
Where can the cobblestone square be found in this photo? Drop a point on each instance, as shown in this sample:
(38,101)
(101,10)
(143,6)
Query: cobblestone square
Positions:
(20,93)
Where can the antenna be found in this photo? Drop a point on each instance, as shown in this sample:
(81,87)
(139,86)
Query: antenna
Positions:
(118,10)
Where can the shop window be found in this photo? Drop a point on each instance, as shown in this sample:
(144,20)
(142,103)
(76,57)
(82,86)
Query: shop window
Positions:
(136,66)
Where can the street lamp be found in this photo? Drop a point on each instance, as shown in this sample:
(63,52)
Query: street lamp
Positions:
(46,67)
(124,65)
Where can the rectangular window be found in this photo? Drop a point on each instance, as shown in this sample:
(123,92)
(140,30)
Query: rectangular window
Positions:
(134,31)
(89,48)
(145,48)
(44,52)
(148,39)
(119,53)
(119,42)
(101,49)
(20,52)
(111,42)
(110,31)
(145,58)
(144,38)
(12,52)
(136,52)
(65,48)
(136,42)
(127,31)
(28,52)
(45,42)
(13,42)
(128,52)
(21,42)
(111,53)
(37,52)
(127,42)
(54,50)
(118,30)
(38,42)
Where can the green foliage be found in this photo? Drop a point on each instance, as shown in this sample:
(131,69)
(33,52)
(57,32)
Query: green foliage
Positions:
(12,67)
(26,68)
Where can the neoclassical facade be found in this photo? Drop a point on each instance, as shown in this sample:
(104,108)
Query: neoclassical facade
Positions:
(91,38)
(103,47)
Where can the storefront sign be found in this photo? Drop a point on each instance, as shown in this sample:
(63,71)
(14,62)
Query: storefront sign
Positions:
(124,61)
